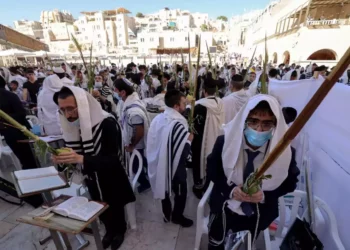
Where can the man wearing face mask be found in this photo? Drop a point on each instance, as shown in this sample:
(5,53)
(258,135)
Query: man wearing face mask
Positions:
(135,123)
(248,139)
(103,94)
(94,138)
(168,146)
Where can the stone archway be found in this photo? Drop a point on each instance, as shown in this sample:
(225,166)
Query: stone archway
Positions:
(323,54)
(286,56)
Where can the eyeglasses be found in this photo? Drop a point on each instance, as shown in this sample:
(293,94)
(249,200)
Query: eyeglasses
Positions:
(255,123)
(68,111)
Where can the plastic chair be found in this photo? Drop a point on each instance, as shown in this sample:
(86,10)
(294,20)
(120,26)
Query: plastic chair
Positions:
(284,224)
(33,119)
(5,151)
(203,220)
(133,178)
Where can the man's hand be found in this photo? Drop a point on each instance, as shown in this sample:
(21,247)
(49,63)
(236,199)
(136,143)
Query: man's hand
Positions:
(239,195)
(129,148)
(70,157)
(257,197)
(186,84)
(190,137)
(96,93)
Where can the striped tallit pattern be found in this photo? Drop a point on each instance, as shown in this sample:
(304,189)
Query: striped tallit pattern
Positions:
(176,137)
(93,147)
(106,90)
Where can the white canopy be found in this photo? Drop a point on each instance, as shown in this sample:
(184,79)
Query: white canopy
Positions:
(16,52)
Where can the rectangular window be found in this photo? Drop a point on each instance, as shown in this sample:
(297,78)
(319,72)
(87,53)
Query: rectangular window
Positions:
(99,36)
(142,40)
(186,39)
(151,39)
(172,39)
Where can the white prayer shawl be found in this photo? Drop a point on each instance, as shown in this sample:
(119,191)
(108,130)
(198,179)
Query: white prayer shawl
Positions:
(144,89)
(233,154)
(288,75)
(253,88)
(84,139)
(155,82)
(131,107)
(67,82)
(233,104)
(212,128)
(161,146)
(47,108)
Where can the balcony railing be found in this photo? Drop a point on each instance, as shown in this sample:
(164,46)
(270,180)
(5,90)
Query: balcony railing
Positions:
(322,22)
(328,22)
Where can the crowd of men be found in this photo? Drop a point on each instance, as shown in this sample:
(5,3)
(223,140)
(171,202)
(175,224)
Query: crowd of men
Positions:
(146,109)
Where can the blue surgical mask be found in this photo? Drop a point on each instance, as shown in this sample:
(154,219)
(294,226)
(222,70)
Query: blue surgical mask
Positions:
(256,138)
(116,96)
(98,85)
(76,123)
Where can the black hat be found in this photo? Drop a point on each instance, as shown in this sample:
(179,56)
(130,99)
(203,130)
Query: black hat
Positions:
(282,64)
(289,114)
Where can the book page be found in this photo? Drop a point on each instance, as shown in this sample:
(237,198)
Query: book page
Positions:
(65,208)
(51,138)
(39,184)
(86,212)
(35,173)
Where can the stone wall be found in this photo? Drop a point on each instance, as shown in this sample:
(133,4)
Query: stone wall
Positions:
(17,39)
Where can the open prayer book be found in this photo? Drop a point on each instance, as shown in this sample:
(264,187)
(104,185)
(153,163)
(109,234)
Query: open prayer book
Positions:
(79,208)
(39,179)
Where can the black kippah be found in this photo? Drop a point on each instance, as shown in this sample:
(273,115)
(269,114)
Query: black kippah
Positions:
(237,78)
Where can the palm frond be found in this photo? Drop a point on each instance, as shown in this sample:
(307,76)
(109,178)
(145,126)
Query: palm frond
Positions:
(213,71)
(250,65)
(79,48)
(264,87)
(193,92)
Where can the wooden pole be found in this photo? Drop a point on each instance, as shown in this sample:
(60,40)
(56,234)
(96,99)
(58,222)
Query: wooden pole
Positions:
(307,112)
(307,12)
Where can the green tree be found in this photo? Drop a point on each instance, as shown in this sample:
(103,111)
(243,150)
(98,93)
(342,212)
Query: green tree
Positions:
(223,18)
(204,27)
(139,14)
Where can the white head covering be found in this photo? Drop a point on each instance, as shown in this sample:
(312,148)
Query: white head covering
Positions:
(288,75)
(232,154)
(90,114)
(47,109)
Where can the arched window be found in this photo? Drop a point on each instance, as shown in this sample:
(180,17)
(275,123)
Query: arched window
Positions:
(286,56)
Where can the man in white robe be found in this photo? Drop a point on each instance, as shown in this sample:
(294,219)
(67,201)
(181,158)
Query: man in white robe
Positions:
(234,101)
(208,120)
(47,109)
(168,146)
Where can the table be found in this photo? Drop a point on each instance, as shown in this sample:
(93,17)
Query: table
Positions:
(63,225)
